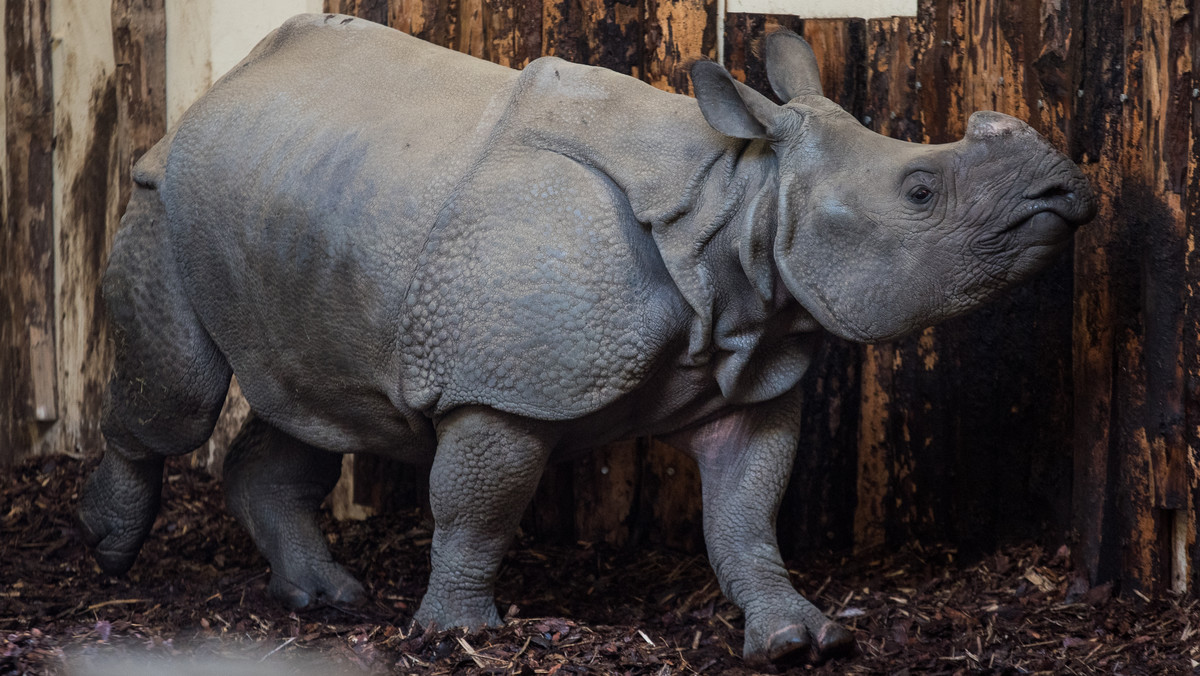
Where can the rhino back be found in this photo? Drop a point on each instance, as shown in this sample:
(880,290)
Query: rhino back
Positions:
(299,191)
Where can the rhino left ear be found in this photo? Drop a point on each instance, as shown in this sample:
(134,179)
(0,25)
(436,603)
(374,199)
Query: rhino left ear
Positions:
(791,66)
(731,107)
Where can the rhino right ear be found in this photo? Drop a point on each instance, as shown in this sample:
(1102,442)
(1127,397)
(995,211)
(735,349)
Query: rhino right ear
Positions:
(791,66)
(731,107)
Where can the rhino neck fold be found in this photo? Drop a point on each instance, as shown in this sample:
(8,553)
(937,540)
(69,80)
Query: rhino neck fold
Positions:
(708,200)
(712,245)
(709,203)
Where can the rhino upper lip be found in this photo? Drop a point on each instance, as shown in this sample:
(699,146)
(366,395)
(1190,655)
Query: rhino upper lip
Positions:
(1065,205)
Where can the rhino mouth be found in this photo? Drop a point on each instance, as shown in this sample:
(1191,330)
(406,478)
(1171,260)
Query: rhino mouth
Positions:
(1050,214)
(1044,228)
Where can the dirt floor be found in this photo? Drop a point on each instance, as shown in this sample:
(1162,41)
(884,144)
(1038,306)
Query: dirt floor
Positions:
(195,603)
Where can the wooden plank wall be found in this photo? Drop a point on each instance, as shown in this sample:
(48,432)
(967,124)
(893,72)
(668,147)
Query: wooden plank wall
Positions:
(1067,411)
(80,107)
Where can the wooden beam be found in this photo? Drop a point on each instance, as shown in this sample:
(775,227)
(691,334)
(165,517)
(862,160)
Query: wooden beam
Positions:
(140,50)
(28,390)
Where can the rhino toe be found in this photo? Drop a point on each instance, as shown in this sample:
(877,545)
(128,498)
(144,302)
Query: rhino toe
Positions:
(834,640)
(115,537)
(788,644)
(798,635)
(321,584)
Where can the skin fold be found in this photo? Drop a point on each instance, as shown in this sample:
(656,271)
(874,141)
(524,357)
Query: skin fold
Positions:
(403,250)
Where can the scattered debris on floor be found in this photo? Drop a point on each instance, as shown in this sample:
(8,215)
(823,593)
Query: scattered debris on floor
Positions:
(197,596)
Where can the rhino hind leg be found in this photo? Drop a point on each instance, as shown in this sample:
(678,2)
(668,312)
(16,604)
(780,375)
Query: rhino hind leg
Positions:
(168,385)
(274,485)
(484,474)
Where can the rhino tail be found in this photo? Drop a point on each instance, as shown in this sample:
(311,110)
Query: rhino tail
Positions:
(149,170)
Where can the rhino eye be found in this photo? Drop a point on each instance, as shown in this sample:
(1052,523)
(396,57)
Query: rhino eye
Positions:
(920,195)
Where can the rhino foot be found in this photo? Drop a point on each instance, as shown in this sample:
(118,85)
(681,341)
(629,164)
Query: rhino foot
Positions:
(469,616)
(274,485)
(319,582)
(782,641)
(117,509)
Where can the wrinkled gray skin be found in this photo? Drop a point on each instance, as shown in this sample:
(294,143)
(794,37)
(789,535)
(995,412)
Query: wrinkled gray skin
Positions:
(402,250)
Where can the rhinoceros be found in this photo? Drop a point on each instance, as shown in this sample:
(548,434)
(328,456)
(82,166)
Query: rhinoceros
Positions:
(403,250)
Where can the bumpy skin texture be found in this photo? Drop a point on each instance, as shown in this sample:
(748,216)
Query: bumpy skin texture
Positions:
(463,266)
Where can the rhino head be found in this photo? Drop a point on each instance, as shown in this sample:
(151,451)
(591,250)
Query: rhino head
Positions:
(878,237)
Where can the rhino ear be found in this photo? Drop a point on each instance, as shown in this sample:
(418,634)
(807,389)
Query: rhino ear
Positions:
(791,66)
(731,107)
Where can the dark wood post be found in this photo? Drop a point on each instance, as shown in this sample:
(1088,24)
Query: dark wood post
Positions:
(28,355)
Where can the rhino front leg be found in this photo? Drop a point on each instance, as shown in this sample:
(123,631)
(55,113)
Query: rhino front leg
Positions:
(486,470)
(274,485)
(745,460)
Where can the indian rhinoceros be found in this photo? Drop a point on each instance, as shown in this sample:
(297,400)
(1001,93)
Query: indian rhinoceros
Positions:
(403,250)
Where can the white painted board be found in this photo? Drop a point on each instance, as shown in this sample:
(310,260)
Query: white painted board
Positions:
(826,9)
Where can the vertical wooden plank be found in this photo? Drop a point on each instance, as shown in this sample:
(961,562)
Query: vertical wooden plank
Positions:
(27,242)
(1133,476)
(677,32)
(606,490)
(605,33)
(1099,107)
(818,510)
(1134,519)
(1008,451)
(1154,466)
(874,476)
(86,216)
(140,46)
(886,509)
(1186,526)
(1166,100)
(3,172)
(432,20)
(511,32)
(371,10)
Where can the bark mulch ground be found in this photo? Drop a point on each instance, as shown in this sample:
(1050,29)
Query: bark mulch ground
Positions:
(195,603)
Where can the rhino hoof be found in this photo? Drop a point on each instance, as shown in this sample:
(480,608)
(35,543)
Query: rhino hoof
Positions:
(834,640)
(797,644)
(345,591)
(101,538)
(114,563)
(788,644)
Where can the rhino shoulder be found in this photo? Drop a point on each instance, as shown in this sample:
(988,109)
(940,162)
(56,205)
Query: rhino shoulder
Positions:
(538,293)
